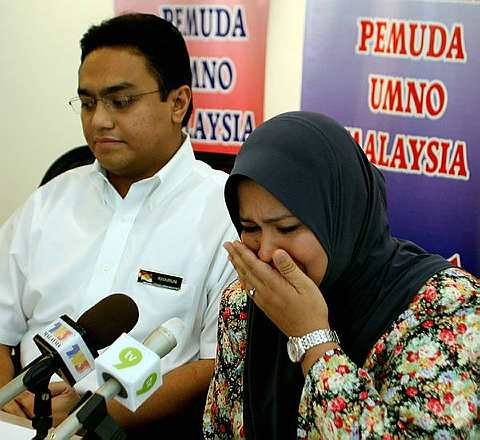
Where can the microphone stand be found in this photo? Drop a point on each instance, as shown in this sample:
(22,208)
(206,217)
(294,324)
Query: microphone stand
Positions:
(42,407)
(92,415)
(36,380)
(98,423)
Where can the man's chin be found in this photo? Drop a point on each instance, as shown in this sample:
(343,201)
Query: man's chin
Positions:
(114,169)
(112,161)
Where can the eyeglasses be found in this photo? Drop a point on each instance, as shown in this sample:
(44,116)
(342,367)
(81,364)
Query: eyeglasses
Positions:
(113,103)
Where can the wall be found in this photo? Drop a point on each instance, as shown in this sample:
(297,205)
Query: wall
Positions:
(40,56)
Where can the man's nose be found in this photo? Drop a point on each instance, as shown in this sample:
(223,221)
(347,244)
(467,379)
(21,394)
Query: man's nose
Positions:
(102,117)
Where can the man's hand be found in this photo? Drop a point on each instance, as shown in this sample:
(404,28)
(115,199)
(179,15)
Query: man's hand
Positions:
(6,374)
(16,408)
(64,398)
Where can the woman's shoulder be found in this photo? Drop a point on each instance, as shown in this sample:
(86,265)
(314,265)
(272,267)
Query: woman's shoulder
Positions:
(444,316)
(446,291)
(447,296)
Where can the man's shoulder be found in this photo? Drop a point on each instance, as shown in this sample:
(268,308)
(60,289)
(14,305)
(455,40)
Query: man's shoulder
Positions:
(209,174)
(57,195)
(72,173)
(65,186)
(74,176)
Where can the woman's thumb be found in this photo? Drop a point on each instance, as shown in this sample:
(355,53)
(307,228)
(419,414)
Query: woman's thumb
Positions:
(289,270)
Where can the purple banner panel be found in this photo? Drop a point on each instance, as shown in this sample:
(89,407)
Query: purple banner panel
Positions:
(404,77)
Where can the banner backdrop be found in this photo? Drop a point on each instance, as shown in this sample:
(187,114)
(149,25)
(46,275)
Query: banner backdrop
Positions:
(226,40)
(403,77)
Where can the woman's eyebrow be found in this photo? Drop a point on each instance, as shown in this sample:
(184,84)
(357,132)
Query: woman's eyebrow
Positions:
(270,219)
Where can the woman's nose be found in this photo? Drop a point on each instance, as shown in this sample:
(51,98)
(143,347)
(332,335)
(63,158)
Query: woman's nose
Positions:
(266,248)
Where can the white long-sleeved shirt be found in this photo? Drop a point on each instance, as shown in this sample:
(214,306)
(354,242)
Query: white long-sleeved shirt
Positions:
(75,241)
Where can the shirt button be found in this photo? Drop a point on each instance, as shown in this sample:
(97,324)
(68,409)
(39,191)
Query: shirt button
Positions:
(106,268)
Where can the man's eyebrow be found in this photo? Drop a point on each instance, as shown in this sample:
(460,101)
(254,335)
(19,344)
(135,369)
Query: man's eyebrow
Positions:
(107,90)
(271,219)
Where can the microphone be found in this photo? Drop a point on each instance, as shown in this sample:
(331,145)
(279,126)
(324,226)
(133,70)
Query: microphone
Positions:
(69,348)
(130,372)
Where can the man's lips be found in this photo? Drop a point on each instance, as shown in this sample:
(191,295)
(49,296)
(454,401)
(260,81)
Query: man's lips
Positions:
(105,142)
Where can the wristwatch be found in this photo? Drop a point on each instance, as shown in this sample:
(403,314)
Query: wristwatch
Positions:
(298,345)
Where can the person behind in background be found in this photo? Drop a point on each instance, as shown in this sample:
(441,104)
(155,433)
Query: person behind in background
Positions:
(146,209)
(335,329)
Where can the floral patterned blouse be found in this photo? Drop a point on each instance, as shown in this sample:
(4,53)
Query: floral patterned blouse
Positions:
(420,380)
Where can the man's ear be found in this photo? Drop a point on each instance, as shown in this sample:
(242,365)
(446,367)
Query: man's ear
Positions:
(180,99)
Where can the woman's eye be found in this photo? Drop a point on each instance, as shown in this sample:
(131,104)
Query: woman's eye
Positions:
(287,229)
(249,229)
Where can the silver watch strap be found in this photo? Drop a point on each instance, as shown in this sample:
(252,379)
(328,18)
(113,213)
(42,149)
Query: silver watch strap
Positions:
(318,337)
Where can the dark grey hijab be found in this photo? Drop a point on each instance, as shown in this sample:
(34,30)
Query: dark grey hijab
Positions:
(312,165)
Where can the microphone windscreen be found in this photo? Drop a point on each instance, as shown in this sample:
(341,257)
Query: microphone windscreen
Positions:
(176,327)
(108,319)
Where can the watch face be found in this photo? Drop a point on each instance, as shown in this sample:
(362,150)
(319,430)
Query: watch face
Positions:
(295,351)
(291,350)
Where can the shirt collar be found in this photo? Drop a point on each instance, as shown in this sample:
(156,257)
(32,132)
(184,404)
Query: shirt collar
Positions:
(98,176)
(178,167)
(166,179)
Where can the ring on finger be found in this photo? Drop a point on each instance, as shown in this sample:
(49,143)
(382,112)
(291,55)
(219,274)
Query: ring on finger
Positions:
(251,292)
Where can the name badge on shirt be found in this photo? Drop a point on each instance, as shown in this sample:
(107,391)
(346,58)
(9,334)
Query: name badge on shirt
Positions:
(159,279)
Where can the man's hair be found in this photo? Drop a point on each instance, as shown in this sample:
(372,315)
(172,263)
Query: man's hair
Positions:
(159,41)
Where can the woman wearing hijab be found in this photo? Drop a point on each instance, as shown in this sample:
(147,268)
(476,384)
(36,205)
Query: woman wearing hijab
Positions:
(335,329)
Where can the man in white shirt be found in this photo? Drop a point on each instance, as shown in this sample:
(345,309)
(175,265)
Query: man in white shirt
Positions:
(145,206)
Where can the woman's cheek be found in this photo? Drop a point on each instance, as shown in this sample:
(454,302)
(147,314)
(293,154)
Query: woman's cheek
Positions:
(249,241)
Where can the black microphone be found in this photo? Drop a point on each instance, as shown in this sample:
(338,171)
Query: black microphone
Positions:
(69,348)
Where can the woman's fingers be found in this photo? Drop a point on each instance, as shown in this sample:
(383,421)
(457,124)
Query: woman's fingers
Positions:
(251,271)
(291,272)
(271,289)
(282,290)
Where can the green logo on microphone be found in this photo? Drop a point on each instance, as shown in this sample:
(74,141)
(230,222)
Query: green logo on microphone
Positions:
(129,357)
(148,384)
